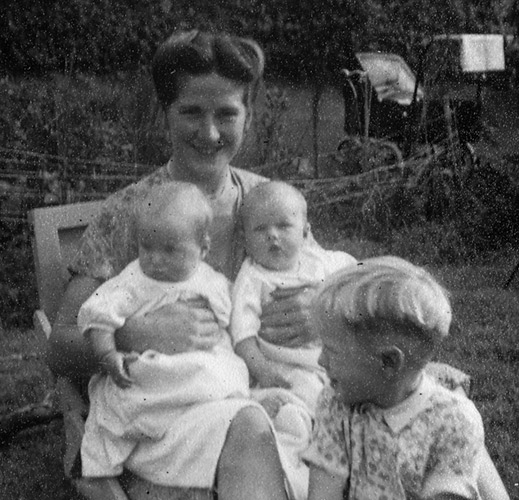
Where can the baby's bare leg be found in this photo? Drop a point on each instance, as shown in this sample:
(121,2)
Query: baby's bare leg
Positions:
(249,465)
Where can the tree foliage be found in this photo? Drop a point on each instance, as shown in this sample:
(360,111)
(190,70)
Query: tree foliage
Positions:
(301,38)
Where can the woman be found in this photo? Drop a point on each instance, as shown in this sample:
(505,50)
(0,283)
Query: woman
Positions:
(206,84)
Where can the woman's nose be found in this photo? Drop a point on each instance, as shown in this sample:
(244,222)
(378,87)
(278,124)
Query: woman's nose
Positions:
(272,233)
(209,130)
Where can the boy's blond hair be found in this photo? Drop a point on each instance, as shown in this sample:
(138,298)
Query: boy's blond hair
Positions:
(391,290)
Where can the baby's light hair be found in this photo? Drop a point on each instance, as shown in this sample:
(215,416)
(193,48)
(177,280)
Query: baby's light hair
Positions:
(179,199)
(387,289)
(267,192)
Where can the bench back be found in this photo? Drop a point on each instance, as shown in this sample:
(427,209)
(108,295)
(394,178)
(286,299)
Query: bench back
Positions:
(56,232)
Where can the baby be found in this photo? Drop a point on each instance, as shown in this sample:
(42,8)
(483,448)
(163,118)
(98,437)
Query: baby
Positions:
(384,428)
(131,403)
(281,253)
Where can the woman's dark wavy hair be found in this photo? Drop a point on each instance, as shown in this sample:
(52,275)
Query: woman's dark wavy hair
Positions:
(198,52)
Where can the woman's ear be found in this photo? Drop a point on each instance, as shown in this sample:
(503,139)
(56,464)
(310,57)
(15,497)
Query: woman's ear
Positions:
(392,359)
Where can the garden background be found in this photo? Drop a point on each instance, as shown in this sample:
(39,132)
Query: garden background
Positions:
(76,104)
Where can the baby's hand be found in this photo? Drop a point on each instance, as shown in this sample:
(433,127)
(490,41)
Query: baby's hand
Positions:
(272,377)
(116,366)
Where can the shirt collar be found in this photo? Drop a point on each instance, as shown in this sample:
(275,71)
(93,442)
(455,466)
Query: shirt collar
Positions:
(397,417)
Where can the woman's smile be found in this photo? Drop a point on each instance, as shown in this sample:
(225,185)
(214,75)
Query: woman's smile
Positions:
(207,123)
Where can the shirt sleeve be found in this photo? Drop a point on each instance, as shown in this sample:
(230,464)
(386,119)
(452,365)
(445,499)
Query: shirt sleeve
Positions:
(111,304)
(328,449)
(246,304)
(336,260)
(455,457)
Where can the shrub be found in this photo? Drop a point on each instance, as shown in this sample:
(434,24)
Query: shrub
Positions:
(83,118)
(441,218)
(18,298)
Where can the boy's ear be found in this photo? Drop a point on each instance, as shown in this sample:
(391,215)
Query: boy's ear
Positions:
(392,359)
(205,246)
(306,230)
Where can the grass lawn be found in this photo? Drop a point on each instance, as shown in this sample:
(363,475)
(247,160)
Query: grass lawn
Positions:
(483,343)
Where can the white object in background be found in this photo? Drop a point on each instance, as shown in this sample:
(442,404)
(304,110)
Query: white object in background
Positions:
(479,53)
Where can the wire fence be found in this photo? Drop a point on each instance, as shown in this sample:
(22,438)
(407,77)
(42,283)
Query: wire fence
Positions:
(30,180)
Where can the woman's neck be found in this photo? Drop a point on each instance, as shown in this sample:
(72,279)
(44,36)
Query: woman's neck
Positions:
(212,186)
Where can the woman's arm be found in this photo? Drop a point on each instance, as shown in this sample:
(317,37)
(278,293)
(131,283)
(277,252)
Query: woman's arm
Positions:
(173,329)
(68,351)
(324,486)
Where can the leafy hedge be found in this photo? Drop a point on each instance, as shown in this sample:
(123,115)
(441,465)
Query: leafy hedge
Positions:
(302,39)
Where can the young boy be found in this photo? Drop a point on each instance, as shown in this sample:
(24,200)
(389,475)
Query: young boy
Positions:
(132,402)
(384,428)
(281,254)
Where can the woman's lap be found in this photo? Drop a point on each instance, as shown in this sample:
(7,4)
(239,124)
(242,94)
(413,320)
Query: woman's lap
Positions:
(248,430)
(193,442)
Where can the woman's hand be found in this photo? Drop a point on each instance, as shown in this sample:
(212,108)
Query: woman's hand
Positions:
(286,320)
(172,329)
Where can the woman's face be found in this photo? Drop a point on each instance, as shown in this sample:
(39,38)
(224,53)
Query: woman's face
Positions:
(207,123)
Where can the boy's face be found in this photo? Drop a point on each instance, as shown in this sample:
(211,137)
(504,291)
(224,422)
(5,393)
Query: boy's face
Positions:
(169,249)
(275,231)
(354,369)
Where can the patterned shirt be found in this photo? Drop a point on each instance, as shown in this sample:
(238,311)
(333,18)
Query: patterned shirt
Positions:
(428,444)
(110,242)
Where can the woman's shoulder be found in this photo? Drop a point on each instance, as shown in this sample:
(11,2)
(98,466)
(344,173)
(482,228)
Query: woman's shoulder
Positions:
(109,242)
(245,179)
(136,191)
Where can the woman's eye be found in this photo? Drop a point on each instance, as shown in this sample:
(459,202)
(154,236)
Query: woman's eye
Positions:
(227,115)
(189,111)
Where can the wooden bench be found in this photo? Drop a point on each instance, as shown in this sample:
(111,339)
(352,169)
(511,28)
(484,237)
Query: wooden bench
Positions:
(56,233)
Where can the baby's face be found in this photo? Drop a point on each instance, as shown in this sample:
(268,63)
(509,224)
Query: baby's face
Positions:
(169,250)
(275,232)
